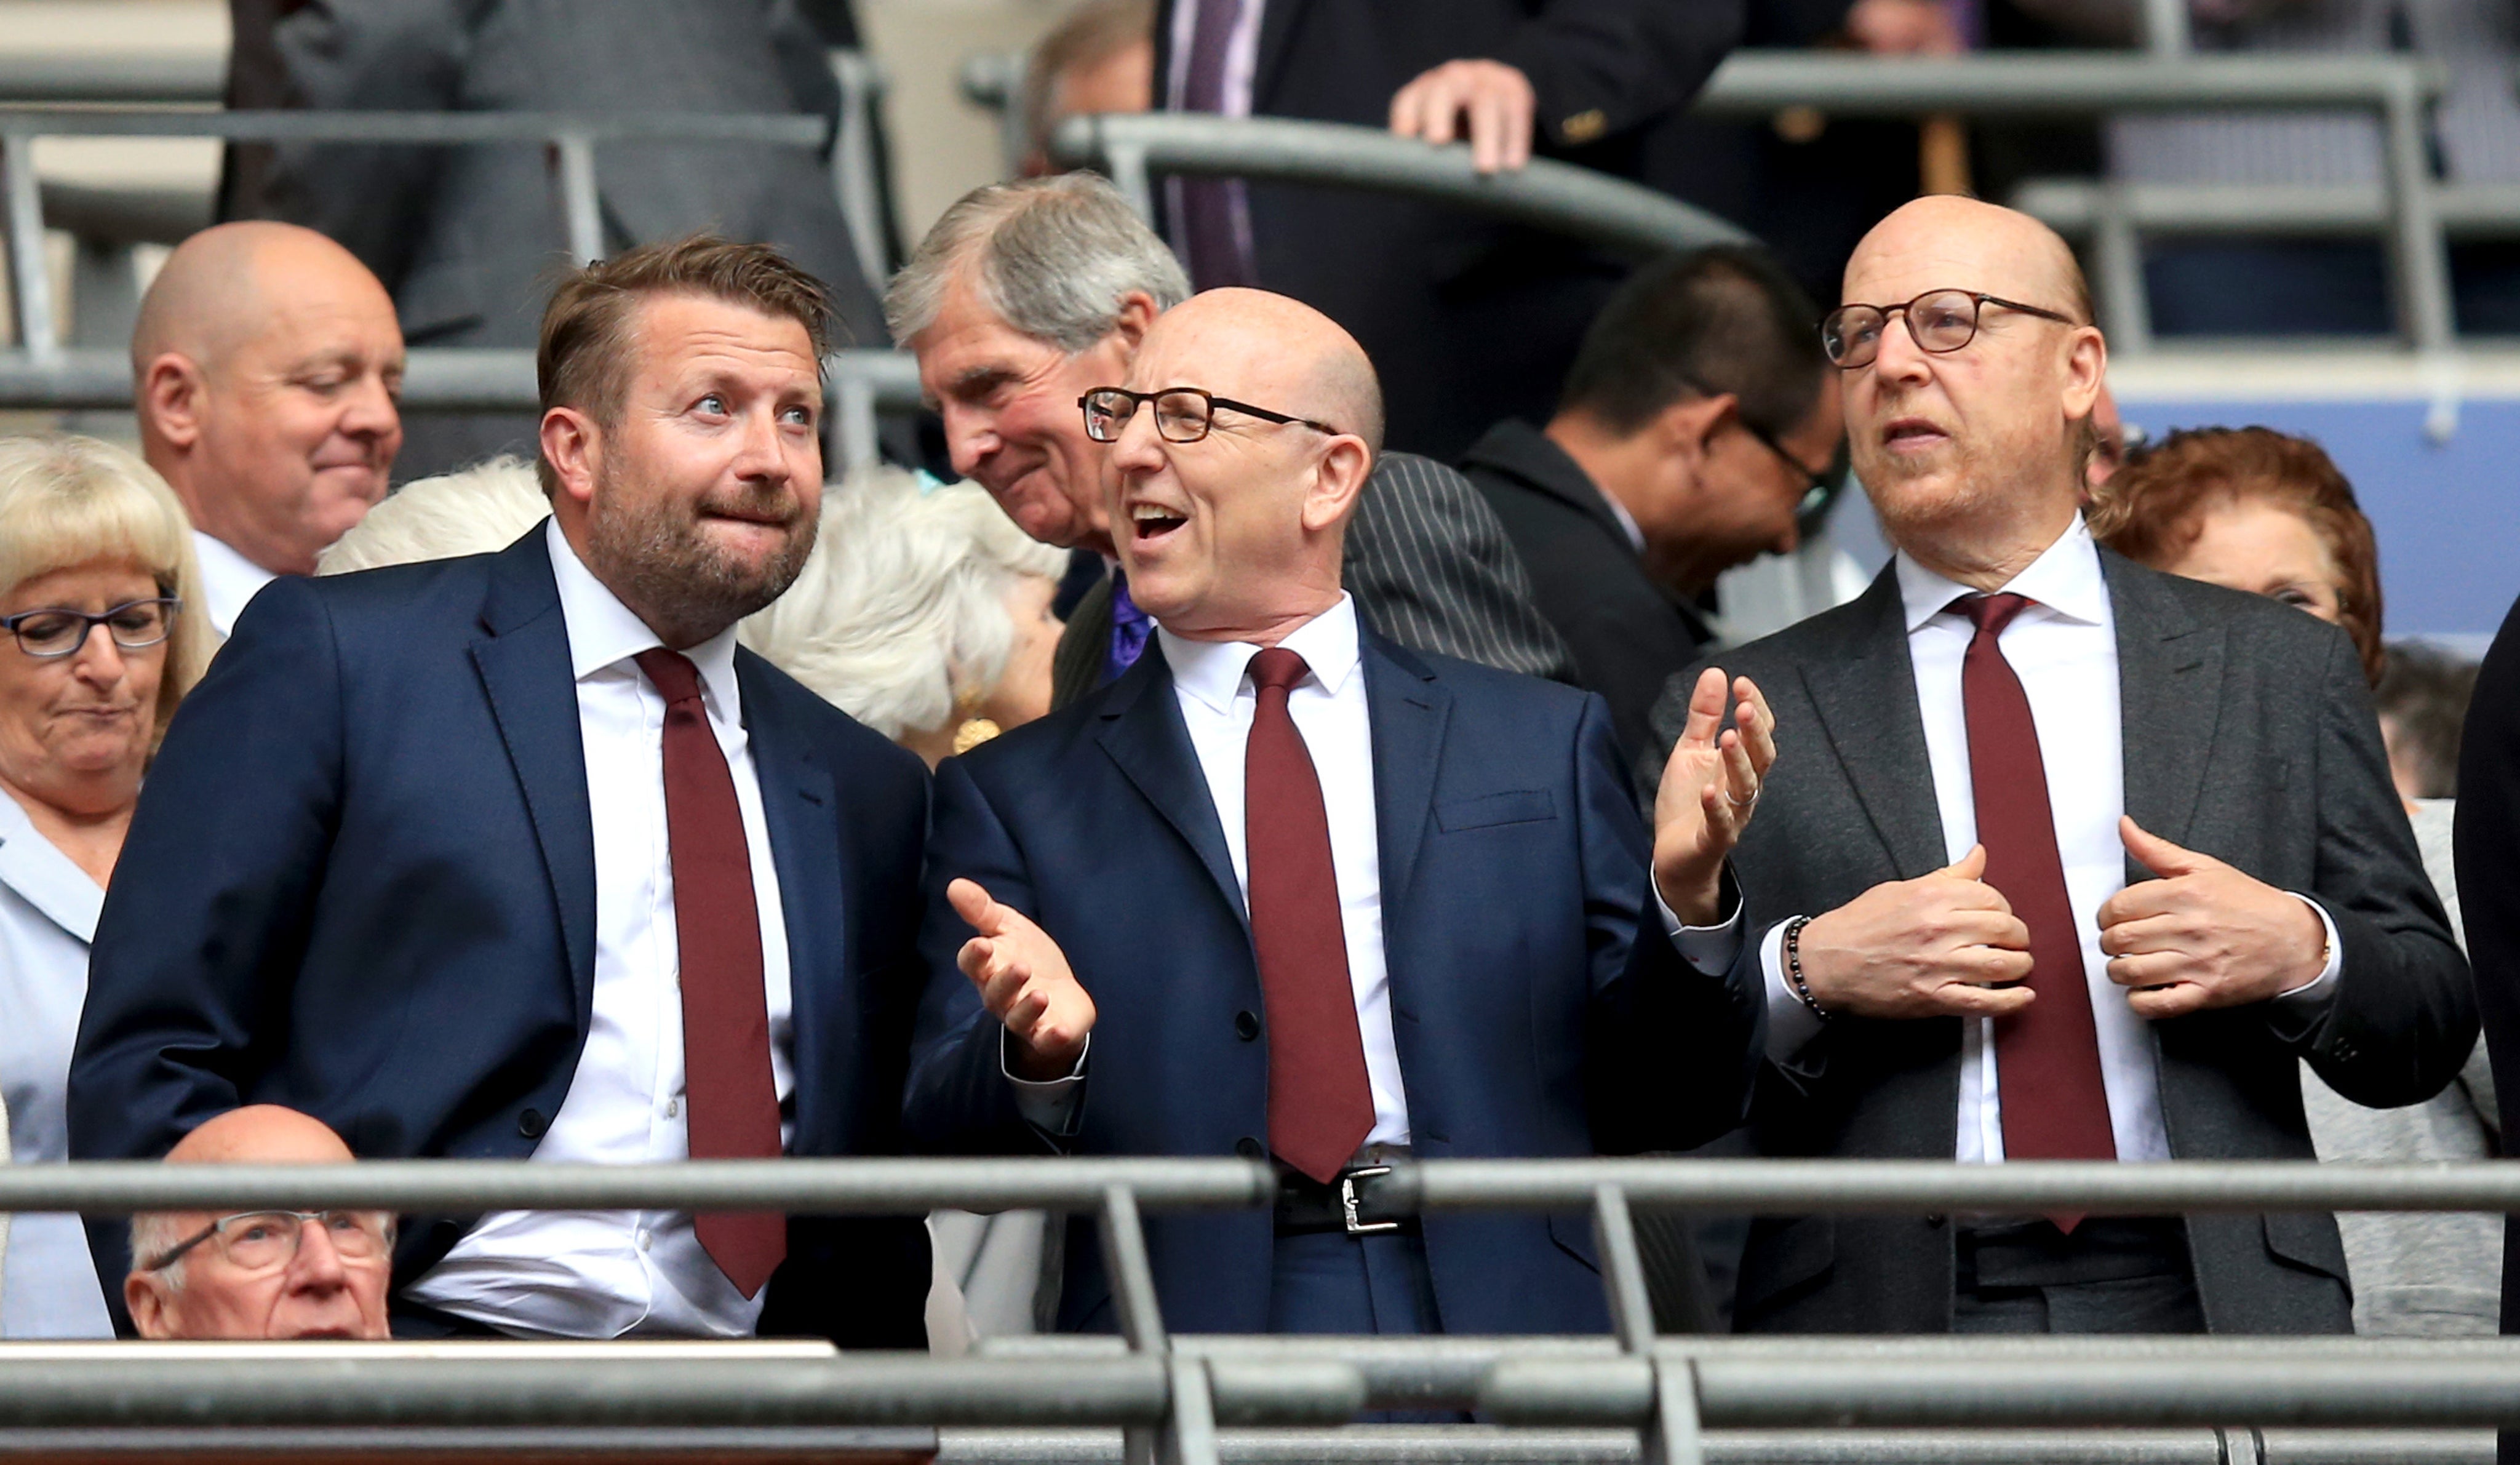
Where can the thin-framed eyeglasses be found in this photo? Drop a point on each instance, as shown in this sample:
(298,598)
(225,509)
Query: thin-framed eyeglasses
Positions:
(56,631)
(1182,414)
(1816,486)
(261,1241)
(1940,321)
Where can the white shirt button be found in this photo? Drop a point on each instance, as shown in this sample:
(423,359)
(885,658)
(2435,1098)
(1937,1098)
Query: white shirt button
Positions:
(643,1238)
(673,1107)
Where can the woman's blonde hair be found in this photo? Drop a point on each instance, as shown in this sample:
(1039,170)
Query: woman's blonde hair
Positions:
(67,501)
(902,606)
(472,511)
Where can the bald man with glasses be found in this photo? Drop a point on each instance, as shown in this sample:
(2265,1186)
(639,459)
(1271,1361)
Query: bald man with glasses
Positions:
(2072,860)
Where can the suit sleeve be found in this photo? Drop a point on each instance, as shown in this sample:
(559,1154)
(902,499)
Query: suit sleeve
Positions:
(1430,566)
(958,1101)
(1672,1050)
(2404,1019)
(2487,844)
(1603,68)
(199,938)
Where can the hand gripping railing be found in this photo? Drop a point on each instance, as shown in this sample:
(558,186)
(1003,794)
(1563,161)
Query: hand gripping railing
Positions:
(1170,1395)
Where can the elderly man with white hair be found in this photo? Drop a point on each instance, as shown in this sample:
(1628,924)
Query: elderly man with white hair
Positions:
(1025,296)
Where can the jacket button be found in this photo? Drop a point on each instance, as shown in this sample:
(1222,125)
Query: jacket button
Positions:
(531,1123)
(1250,1148)
(1246,1024)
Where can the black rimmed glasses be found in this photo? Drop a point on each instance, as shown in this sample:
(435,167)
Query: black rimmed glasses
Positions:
(261,1241)
(54,631)
(1816,487)
(1940,321)
(1182,414)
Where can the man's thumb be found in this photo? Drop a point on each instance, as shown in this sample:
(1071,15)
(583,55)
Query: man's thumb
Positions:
(2156,854)
(1969,866)
(975,907)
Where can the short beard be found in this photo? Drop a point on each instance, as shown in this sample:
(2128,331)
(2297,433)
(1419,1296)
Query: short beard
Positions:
(649,549)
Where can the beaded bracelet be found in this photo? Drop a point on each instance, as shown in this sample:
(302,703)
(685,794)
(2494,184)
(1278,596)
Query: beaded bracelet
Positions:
(1794,967)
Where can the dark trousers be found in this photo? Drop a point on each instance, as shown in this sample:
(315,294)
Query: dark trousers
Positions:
(2109,1275)
(1331,1282)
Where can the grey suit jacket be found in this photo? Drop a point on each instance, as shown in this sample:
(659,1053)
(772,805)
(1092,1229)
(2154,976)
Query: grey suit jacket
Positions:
(469,240)
(2248,736)
(1429,566)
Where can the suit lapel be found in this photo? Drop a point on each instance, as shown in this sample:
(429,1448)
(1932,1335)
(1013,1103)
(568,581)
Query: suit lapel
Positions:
(799,801)
(2169,682)
(1277,39)
(525,667)
(1867,702)
(1144,734)
(1409,711)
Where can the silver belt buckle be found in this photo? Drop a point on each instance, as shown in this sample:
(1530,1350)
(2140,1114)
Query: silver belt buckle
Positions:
(1347,1202)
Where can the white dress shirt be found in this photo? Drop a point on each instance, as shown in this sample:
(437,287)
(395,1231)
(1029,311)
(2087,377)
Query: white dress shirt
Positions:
(228,581)
(48,908)
(606,1274)
(2063,647)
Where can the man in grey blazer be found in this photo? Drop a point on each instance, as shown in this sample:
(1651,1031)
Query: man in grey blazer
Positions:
(2071,859)
(466,239)
(1025,296)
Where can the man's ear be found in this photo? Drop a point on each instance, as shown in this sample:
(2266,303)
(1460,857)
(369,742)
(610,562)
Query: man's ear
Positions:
(2086,367)
(574,446)
(173,395)
(1338,482)
(153,1309)
(1137,312)
(1688,427)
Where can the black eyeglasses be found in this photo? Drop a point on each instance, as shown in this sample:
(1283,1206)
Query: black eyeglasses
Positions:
(1182,414)
(261,1241)
(1940,321)
(54,631)
(1816,486)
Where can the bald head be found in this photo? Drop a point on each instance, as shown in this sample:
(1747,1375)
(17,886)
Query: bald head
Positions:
(265,367)
(1238,536)
(261,1134)
(1972,451)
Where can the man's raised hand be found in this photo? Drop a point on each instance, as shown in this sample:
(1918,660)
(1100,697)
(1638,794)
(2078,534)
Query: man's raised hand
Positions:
(1709,789)
(2204,935)
(1944,945)
(1488,101)
(1025,983)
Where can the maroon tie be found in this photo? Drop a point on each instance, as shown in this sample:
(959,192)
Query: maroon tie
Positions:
(1320,1108)
(2046,1058)
(730,1099)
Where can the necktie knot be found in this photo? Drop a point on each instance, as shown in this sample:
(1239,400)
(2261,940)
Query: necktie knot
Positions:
(1990,614)
(1277,669)
(671,672)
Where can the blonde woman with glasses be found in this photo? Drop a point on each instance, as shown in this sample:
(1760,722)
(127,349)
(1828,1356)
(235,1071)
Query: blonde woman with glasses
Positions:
(95,572)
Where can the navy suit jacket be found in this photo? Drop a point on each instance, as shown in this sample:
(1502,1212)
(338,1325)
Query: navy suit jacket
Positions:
(1538,1007)
(361,882)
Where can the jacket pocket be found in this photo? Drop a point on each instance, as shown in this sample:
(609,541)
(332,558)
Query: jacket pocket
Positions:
(1487,810)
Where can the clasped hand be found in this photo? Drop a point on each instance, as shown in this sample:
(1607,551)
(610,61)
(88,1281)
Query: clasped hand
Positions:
(1709,789)
(2202,936)
(1025,983)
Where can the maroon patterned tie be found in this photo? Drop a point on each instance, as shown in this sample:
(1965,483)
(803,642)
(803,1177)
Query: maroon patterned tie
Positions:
(1320,1108)
(2047,1057)
(730,1098)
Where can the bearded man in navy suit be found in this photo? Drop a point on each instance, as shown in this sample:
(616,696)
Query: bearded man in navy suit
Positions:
(519,855)
(1286,889)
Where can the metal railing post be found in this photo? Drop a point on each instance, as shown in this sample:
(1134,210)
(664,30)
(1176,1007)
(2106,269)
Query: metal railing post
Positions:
(2418,256)
(1673,1436)
(1188,1436)
(581,207)
(30,271)
(856,172)
(2165,27)
(2117,250)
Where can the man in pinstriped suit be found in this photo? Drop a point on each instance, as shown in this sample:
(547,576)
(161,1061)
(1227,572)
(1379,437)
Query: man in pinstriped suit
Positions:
(1025,294)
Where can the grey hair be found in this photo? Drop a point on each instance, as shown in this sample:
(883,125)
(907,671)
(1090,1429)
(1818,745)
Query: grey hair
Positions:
(154,1233)
(902,607)
(470,511)
(1052,258)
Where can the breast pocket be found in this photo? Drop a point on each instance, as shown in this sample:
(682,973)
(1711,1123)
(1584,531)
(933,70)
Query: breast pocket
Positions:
(1488,810)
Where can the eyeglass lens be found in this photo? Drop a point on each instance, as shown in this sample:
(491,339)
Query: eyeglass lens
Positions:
(1941,322)
(267,1239)
(1180,416)
(135,627)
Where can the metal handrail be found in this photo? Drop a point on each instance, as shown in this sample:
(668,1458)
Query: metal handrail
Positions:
(1559,196)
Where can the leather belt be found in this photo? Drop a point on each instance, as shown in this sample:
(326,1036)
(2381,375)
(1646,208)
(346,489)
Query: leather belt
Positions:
(1355,1202)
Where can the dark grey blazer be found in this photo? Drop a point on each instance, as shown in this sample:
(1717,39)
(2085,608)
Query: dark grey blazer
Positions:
(2248,736)
(1429,566)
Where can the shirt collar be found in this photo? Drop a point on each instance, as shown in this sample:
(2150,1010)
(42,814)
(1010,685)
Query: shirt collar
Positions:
(2065,578)
(228,579)
(1215,671)
(603,632)
(1627,521)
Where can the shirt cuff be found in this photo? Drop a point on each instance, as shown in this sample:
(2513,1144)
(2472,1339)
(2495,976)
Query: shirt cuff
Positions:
(1050,1105)
(1790,1020)
(1710,949)
(2309,1001)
